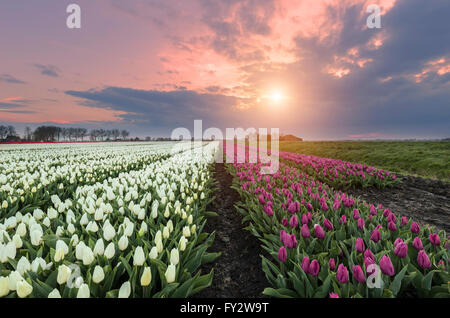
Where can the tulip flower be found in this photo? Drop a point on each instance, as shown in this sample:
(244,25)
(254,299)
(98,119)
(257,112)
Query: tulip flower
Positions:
(110,251)
(293,221)
(318,231)
(361,223)
(358,274)
(54,294)
(435,239)
(23,265)
(4,289)
(284,222)
(170,273)
(314,268)
(99,247)
(404,220)
(333,295)
(397,241)
(123,243)
(417,243)
(23,288)
(139,257)
(359,245)
(88,256)
(305,219)
(375,236)
(125,290)
(328,225)
(13,278)
(401,250)
(392,227)
(305,231)
(342,274)
(332,264)
(99,274)
(423,259)
(282,254)
(64,273)
(305,264)
(415,228)
(174,256)
(83,291)
(386,266)
(146,277)
(356,214)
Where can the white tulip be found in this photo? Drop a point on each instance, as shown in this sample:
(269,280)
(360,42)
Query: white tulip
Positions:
(36,237)
(4,204)
(38,214)
(129,229)
(74,240)
(153,253)
(92,227)
(61,245)
(71,228)
(182,243)
(170,226)
(39,261)
(23,288)
(23,265)
(109,232)
(13,278)
(139,256)
(88,256)
(170,273)
(59,231)
(84,219)
(110,251)
(166,233)
(4,289)
(17,241)
(174,256)
(64,273)
(21,229)
(46,222)
(123,243)
(54,294)
(186,231)
(99,247)
(98,275)
(190,219)
(83,291)
(52,213)
(146,277)
(125,290)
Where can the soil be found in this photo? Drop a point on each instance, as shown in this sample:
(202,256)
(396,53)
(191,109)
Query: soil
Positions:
(424,200)
(238,271)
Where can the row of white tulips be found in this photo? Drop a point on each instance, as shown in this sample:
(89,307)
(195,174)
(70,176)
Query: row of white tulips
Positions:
(136,235)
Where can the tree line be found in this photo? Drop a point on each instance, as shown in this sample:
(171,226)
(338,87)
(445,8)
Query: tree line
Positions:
(54,133)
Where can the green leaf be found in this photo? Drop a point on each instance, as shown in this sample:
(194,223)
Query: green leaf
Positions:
(397,282)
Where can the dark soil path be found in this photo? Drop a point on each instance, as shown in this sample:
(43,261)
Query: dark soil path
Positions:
(424,200)
(238,272)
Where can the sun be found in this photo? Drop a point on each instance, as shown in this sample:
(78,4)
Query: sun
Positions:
(276,97)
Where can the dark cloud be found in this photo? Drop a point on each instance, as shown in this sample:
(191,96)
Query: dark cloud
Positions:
(48,70)
(10,79)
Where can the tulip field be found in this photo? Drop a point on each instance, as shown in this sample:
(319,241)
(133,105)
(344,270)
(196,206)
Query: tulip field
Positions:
(119,220)
(127,219)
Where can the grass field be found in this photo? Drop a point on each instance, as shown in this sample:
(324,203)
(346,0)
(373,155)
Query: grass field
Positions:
(429,159)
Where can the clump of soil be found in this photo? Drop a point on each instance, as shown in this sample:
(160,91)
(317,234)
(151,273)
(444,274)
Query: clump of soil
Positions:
(238,271)
(424,200)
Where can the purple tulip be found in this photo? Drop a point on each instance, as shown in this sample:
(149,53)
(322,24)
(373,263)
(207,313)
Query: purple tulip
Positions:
(343,220)
(367,262)
(359,245)
(401,250)
(305,219)
(318,231)
(356,215)
(397,241)
(373,210)
(283,236)
(404,220)
(415,228)
(342,274)
(435,239)
(423,260)
(375,236)
(368,253)
(333,295)
(293,221)
(386,266)
(282,255)
(284,222)
(328,225)
(332,264)
(361,223)
(358,274)
(309,206)
(392,226)
(305,264)
(314,268)
(305,231)
(417,243)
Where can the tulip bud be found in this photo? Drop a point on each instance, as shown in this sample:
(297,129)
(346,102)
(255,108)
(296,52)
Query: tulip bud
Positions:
(415,228)
(435,239)
(139,256)
(125,290)
(318,231)
(305,264)
(110,251)
(170,273)
(13,279)
(314,268)
(83,291)
(23,265)
(423,260)
(146,277)
(282,254)
(154,252)
(4,289)
(98,275)
(358,274)
(386,266)
(182,243)
(54,294)
(174,256)
(305,231)
(401,250)
(88,256)
(123,243)
(333,295)
(332,264)
(99,247)
(63,274)
(23,288)
(342,274)
(359,245)
(375,236)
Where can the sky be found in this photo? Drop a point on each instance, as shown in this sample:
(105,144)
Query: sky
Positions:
(308,67)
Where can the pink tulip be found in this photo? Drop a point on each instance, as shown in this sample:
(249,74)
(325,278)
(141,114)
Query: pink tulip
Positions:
(305,231)
(356,215)
(417,243)
(392,226)
(343,220)
(401,250)
(305,264)
(423,260)
(328,225)
(359,245)
(333,295)
(361,223)
(284,222)
(435,239)
(404,220)
(415,228)
(318,231)
(368,253)
(373,210)
(293,221)
(305,219)
(375,236)
(332,264)
(386,266)
(314,268)
(282,255)
(342,274)
(367,262)
(358,274)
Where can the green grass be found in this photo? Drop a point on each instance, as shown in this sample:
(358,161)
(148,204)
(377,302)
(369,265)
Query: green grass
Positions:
(429,159)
